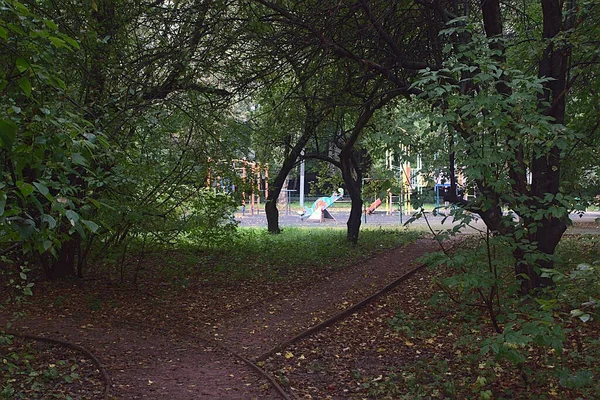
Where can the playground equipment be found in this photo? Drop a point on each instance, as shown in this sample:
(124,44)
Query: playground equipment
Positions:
(440,193)
(254,177)
(371,209)
(318,211)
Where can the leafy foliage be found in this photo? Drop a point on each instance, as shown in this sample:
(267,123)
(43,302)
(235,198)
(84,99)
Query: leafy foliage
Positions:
(212,223)
(47,146)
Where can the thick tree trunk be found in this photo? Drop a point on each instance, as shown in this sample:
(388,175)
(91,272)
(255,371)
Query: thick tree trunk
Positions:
(547,236)
(353,181)
(271,210)
(355,218)
(545,168)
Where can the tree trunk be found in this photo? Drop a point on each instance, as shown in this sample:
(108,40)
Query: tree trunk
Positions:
(353,181)
(545,168)
(271,210)
(64,265)
(311,122)
(547,236)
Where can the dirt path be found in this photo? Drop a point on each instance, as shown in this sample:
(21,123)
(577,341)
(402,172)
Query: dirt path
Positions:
(145,362)
(259,329)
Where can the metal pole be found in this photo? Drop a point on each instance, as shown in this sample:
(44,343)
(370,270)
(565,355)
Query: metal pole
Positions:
(302,180)
(364,205)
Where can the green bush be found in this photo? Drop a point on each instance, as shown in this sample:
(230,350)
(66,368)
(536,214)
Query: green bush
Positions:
(211,222)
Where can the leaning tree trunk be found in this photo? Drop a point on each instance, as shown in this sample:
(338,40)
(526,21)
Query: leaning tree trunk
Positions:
(353,181)
(271,210)
(312,120)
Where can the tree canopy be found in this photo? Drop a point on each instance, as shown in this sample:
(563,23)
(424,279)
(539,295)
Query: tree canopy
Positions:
(115,114)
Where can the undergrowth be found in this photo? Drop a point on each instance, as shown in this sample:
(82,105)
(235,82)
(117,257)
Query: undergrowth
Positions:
(255,254)
(547,347)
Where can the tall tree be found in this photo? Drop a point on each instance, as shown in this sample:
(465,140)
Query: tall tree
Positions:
(125,64)
(370,34)
(348,34)
(531,141)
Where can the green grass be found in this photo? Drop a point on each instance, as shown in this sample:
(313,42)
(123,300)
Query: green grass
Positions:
(256,254)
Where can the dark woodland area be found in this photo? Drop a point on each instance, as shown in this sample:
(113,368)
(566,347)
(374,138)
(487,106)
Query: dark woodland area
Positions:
(153,154)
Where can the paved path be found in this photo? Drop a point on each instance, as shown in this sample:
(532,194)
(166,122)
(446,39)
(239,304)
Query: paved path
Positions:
(381,220)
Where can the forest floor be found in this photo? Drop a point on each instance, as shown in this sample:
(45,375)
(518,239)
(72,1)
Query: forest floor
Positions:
(156,344)
(213,341)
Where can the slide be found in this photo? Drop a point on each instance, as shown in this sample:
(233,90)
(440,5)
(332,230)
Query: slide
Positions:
(373,206)
(319,207)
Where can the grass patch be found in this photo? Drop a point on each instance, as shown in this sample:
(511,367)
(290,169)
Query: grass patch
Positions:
(253,254)
(256,254)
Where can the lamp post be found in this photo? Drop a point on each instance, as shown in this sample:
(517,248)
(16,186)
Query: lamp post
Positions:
(302,180)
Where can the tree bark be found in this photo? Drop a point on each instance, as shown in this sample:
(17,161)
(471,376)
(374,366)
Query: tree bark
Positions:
(352,176)
(271,211)
(64,265)
(545,168)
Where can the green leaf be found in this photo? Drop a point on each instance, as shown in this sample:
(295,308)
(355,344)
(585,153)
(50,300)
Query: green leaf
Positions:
(51,24)
(16,29)
(72,216)
(21,8)
(3,33)
(23,275)
(91,225)
(72,42)
(59,82)
(8,131)
(58,42)
(41,188)
(49,220)
(25,188)
(22,64)
(2,203)
(24,227)
(78,159)
(25,85)
(47,244)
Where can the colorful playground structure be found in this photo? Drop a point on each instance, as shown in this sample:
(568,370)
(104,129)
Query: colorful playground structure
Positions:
(254,180)
(318,211)
(371,209)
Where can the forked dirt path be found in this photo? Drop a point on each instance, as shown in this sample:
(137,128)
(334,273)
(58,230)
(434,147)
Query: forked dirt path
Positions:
(259,329)
(145,362)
